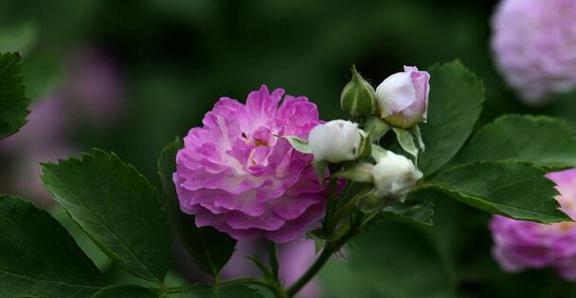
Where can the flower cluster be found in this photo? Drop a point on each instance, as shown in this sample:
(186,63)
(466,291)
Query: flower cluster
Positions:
(401,100)
(521,245)
(242,174)
(534,44)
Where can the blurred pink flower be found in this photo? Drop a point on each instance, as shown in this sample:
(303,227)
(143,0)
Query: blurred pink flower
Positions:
(92,90)
(42,139)
(237,173)
(534,45)
(94,85)
(521,245)
(294,259)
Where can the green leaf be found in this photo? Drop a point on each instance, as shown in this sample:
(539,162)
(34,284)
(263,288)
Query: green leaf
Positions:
(456,98)
(39,258)
(117,207)
(218,292)
(100,259)
(299,144)
(542,140)
(209,248)
(13,102)
(515,189)
(376,128)
(126,292)
(406,141)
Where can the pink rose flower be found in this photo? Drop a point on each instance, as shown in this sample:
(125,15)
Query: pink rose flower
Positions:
(520,245)
(239,175)
(534,45)
(402,98)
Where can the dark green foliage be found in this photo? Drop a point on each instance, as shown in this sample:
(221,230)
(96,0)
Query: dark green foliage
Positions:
(13,102)
(39,258)
(209,248)
(117,207)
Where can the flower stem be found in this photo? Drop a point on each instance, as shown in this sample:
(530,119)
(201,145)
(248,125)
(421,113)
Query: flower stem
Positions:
(328,251)
(348,208)
(273,260)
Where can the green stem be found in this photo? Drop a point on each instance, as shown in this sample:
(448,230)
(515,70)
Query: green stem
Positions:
(280,292)
(328,251)
(330,208)
(248,280)
(273,260)
(348,208)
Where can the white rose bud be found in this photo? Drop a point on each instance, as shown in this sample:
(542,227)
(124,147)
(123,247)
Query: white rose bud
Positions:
(402,98)
(394,175)
(335,141)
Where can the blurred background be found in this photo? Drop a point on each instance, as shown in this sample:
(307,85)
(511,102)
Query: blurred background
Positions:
(128,76)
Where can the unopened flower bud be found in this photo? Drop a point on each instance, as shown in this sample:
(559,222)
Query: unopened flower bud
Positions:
(402,98)
(335,141)
(394,175)
(358,97)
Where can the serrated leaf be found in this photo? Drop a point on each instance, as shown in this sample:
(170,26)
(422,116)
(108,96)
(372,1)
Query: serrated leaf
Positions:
(209,248)
(39,258)
(542,140)
(299,144)
(456,99)
(126,292)
(515,189)
(117,207)
(13,102)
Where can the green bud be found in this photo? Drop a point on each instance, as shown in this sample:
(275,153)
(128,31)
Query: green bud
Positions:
(371,202)
(358,97)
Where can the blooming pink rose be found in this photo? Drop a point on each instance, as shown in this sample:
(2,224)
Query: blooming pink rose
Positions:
(534,45)
(521,245)
(402,98)
(239,175)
